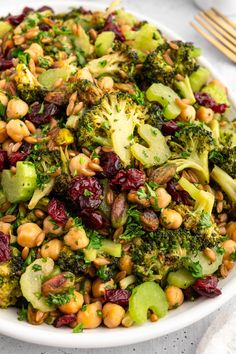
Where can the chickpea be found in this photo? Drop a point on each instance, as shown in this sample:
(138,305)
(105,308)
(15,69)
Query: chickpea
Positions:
(231,230)
(171,219)
(3,131)
(163,198)
(16,108)
(188,114)
(74,305)
(126,264)
(112,315)
(205,114)
(229,247)
(51,227)
(92,316)
(5,227)
(106,83)
(174,296)
(17,130)
(99,287)
(79,165)
(6,144)
(3,99)
(76,238)
(52,249)
(35,51)
(29,235)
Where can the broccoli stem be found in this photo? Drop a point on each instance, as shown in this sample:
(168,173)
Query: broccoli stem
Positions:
(227,183)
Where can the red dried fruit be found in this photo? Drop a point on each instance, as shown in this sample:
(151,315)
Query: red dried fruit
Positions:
(130,179)
(177,196)
(169,128)
(93,219)
(14,157)
(190,294)
(44,27)
(117,296)
(64,320)
(5,64)
(15,20)
(42,113)
(207,286)
(45,8)
(27,10)
(111,164)
(3,160)
(204,99)
(5,253)
(111,26)
(85,192)
(57,211)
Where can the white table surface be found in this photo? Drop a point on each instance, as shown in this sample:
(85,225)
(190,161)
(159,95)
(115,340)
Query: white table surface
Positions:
(176,14)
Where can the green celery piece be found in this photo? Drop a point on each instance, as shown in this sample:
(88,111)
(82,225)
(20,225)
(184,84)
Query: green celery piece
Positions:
(181,278)
(49,77)
(157,151)
(208,267)
(217,92)
(227,183)
(4,28)
(148,295)
(82,42)
(111,248)
(147,38)
(185,89)
(104,41)
(166,97)
(20,186)
(199,78)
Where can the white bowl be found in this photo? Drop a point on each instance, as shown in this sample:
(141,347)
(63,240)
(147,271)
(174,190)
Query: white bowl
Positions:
(185,315)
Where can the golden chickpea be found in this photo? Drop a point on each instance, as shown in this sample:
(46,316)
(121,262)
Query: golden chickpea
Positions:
(205,115)
(3,131)
(112,315)
(35,51)
(92,316)
(106,83)
(29,235)
(174,296)
(163,198)
(52,249)
(99,287)
(171,219)
(76,238)
(229,247)
(16,108)
(51,227)
(3,99)
(74,305)
(231,230)
(79,165)
(17,130)
(126,264)
(5,227)
(188,114)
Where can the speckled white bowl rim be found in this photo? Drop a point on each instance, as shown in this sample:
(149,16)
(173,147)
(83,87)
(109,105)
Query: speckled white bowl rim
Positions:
(185,315)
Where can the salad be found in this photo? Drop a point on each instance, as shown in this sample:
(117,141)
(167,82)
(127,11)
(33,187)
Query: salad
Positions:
(118,170)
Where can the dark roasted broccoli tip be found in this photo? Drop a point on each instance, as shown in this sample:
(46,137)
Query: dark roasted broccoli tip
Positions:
(61,185)
(163,64)
(155,116)
(225,158)
(88,92)
(10,272)
(108,272)
(191,146)
(228,134)
(72,262)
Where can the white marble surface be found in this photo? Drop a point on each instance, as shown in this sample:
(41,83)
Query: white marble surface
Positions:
(176,14)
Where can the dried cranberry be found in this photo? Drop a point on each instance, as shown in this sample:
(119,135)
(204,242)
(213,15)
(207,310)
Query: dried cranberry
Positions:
(177,196)
(5,64)
(85,192)
(93,219)
(3,160)
(57,211)
(44,27)
(27,10)
(190,294)
(35,116)
(5,253)
(207,286)
(204,99)
(117,296)
(169,128)
(130,179)
(111,26)
(83,11)
(15,20)
(64,320)
(14,157)
(45,8)
(111,164)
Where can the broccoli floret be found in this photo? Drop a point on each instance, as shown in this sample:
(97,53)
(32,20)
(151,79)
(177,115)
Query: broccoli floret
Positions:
(118,64)
(225,181)
(72,262)
(225,158)
(228,134)
(61,185)
(9,279)
(88,92)
(28,87)
(193,143)
(163,64)
(111,122)
(155,115)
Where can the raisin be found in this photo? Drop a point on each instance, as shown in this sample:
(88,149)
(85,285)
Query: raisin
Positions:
(93,219)
(169,128)
(42,114)
(111,164)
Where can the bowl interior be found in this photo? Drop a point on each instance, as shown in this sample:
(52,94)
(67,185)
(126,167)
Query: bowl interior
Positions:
(188,313)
